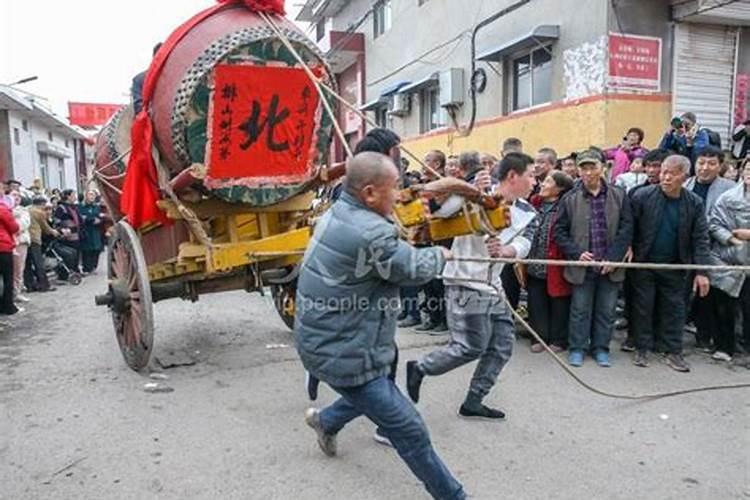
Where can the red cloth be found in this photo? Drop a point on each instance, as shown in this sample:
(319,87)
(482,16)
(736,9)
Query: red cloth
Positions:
(268,6)
(557,285)
(141,188)
(8,229)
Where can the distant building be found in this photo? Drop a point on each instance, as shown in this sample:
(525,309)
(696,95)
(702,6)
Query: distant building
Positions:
(560,73)
(36,143)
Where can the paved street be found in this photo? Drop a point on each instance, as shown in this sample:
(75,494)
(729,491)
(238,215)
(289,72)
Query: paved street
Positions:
(76,423)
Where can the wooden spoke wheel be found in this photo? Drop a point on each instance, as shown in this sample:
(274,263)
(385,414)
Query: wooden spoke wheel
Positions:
(130,296)
(283,300)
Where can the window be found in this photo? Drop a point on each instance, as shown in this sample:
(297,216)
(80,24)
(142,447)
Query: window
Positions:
(25,125)
(430,112)
(44,171)
(49,136)
(381,116)
(61,172)
(532,79)
(320,29)
(16,136)
(381,17)
(67,143)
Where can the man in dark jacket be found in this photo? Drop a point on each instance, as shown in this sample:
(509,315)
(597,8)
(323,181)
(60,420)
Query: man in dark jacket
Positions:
(347,303)
(594,223)
(670,228)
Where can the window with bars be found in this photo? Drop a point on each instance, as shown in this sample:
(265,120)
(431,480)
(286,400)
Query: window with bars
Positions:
(430,112)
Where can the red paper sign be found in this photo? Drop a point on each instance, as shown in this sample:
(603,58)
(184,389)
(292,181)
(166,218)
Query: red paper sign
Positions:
(262,124)
(87,114)
(634,62)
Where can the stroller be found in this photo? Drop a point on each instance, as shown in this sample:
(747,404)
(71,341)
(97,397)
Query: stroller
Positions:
(59,259)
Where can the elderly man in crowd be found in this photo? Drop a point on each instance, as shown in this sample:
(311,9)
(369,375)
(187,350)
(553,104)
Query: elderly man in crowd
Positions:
(729,225)
(708,185)
(347,302)
(670,228)
(544,163)
(594,223)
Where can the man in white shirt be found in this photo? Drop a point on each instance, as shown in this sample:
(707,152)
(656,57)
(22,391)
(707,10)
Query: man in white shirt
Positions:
(480,322)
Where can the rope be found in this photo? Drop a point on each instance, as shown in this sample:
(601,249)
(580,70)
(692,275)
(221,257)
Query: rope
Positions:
(577,378)
(119,158)
(105,182)
(625,265)
(272,24)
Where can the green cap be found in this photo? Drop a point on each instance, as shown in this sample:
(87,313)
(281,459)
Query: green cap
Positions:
(588,156)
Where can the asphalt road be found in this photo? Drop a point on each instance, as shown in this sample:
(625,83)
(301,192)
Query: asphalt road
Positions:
(76,423)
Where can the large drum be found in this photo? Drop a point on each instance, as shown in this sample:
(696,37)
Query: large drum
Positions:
(111,155)
(232,97)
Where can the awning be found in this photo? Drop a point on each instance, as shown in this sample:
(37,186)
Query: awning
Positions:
(539,35)
(428,81)
(374,104)
(392,89)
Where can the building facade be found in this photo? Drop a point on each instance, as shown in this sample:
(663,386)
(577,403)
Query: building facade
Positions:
(37,144)
(559,73)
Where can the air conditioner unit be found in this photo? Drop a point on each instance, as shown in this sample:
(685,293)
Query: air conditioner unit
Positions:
(399,105)
(452,87)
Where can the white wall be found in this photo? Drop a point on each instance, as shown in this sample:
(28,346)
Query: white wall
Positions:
(25,156)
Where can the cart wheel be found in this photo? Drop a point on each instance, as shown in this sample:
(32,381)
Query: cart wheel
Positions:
(283,299)
(75,279)
(131,305)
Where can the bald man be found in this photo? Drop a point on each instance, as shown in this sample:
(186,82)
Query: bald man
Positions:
(347,303)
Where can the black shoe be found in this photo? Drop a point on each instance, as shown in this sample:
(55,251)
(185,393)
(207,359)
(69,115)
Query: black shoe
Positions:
(627,346)
(439,329)
(312,384)
(677,363)
(414,377)
(483,412)
(408,323)
(641,359)
(427,326)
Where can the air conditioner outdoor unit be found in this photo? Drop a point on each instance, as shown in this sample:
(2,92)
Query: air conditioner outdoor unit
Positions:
(399,105)
(452,87)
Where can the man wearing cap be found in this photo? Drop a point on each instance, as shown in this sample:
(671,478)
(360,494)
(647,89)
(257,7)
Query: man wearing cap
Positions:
(594,224)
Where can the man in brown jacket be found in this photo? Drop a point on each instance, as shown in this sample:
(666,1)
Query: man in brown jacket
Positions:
(35,276)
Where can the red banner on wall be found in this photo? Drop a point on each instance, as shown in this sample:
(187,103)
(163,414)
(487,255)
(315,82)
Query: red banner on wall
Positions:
(634,62)
(262,123)
(88,114)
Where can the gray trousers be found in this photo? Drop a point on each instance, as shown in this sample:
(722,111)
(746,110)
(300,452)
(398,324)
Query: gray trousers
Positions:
(481,327)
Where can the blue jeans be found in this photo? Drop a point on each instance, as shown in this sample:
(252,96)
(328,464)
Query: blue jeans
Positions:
(592,314)
(410,302)
(382,402)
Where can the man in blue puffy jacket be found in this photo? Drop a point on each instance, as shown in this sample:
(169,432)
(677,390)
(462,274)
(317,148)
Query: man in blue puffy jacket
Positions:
(347,304)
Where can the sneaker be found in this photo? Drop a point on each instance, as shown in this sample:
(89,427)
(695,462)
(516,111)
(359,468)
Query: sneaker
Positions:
(426,326)
(621,324)
(327,442)
(575,358)
(408,323)
(439,329)
(721,356)
(381,438)
(22,298)
(557,349)
(602,359)
(627,346)
(537,348)
(414,377)
(704,347)
(641,359)
(311,384)
(677,363)
(481,413)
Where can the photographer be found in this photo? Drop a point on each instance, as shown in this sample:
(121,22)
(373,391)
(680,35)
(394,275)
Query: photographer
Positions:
(741,138)
(686,138)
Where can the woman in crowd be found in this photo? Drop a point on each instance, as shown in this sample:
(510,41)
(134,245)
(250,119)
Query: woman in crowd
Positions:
(548,292)
(23,240)
(624,154)
(8,230)
(729,225)
(67,219)
(92,242)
